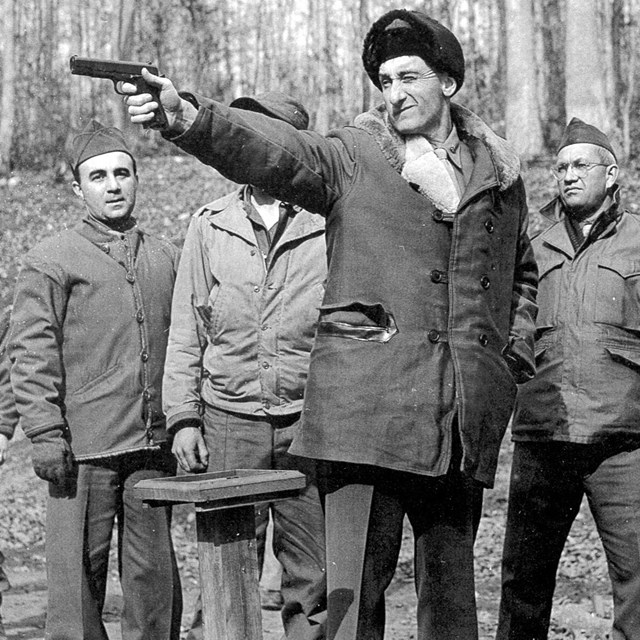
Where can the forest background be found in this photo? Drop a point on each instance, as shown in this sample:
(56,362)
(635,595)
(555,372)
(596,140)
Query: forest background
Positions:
(531,64)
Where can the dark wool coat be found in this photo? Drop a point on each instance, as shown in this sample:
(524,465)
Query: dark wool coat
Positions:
(418,312)
(88,338)
(588,335)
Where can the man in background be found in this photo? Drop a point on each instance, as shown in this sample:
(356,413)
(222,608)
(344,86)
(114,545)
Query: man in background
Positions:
(577,426)
(245,311)
(88,337)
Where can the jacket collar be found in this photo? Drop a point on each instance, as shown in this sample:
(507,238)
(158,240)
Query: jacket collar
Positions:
(557,235)
(504,162)
(228,213)
(99,233)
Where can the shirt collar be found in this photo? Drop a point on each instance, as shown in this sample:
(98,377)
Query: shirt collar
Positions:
(452,148)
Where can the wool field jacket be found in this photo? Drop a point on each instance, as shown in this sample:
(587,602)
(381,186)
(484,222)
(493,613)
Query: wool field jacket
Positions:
(88,338)
(242,323)
(423,316)
(587,388)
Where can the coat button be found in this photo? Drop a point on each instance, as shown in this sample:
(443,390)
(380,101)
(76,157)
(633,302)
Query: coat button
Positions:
(265,365)
(140,316)
(485,283)
(437,275)
(144,356)
(130,277)
(483,339)
(433,336)
(437,215)
(488,225)
(256,289)
(253,252)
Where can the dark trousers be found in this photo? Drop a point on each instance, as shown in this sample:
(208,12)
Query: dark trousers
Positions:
(365,509)
(548,481)
(245,442)
(79,527)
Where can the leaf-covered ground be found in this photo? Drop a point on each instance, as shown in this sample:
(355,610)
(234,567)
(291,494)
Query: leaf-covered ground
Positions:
(34,205)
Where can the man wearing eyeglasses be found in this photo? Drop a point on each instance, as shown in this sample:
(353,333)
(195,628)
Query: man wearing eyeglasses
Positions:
(577,426)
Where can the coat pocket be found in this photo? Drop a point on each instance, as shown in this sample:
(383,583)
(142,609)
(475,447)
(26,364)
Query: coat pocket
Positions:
(618,292)
(370,323)
(549,289)
(628,357)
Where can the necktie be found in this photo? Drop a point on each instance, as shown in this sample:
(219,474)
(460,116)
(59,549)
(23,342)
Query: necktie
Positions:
(444,158)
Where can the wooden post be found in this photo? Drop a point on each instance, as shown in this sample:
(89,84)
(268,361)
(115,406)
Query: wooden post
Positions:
(229,574)
(227,553)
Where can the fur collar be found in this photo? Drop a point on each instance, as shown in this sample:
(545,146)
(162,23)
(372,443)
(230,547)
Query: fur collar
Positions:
(468,125)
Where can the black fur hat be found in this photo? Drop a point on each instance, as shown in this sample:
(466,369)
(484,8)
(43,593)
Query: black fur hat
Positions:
(412,33)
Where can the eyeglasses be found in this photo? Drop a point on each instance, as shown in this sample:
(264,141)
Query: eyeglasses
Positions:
(580,168)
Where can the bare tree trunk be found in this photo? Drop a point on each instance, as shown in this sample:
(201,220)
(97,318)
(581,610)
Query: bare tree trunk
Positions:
(624,39)
(585,66)
(323,62)
(551,70)
(122,47)
(363,14)
(7,105)
(523,125)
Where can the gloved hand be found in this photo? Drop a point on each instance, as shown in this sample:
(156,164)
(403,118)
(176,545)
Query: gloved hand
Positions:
(52,457)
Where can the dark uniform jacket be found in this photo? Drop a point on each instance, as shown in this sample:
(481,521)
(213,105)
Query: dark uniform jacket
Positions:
(89,331)
(419,311)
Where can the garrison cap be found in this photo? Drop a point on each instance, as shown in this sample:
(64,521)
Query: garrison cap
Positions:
(95,140)
(579,132)
(275,105)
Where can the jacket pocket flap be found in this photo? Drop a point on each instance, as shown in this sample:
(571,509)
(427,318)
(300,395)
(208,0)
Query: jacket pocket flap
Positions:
(547,264)
(624,268)
(630,357)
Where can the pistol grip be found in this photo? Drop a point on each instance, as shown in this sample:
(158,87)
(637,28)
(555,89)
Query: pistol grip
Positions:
(160,119)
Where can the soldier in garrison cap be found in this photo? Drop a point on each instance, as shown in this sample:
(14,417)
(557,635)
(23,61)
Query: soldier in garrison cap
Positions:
(427,320)
(577,426)
(87,343)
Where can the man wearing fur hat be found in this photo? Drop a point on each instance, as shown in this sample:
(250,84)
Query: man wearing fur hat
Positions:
(88,338)
(245,310)
(427,319)
(577,426)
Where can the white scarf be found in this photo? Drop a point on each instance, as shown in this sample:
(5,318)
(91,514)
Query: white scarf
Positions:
(425,169)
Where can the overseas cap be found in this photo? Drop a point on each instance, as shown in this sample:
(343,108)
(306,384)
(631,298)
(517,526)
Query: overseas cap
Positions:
(275,105)
(412,33)
(95,140)
(579,132)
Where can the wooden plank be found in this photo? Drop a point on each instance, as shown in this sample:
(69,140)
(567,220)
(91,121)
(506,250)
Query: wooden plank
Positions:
(249,484)
(229,575)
